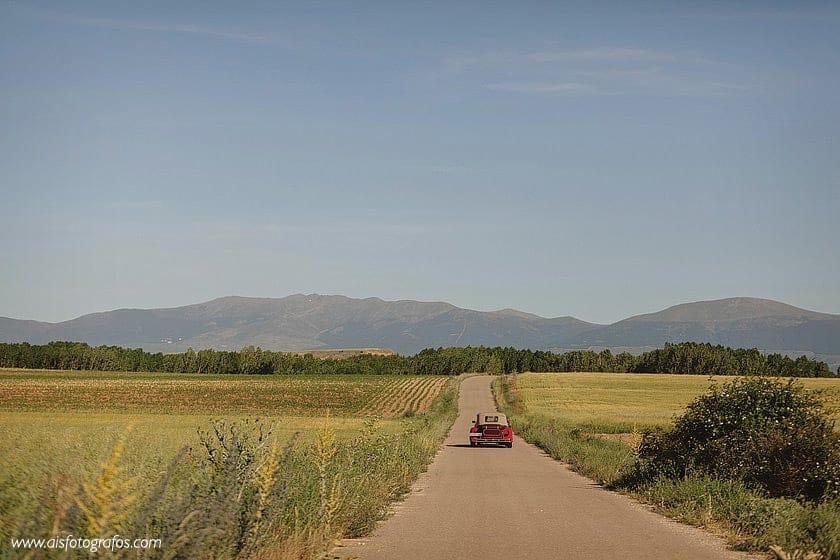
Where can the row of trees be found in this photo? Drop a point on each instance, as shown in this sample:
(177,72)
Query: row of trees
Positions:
(718,360)
(687,357)
(683,358)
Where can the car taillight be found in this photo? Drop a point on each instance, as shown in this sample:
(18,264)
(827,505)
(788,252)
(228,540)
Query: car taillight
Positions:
(473,430)
(507,432)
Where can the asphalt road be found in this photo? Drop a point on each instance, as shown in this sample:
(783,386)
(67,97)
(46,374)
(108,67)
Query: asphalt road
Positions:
(498,503)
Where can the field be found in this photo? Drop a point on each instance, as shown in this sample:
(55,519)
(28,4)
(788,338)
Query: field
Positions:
(615,403)
(45,416)
(62,426)
(144,393)
(341,353)
(594,423)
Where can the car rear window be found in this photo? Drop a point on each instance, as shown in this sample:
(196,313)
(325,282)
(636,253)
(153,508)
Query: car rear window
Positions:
(491,419)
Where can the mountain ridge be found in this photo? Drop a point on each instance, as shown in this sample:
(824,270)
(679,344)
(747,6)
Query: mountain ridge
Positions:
(724,309)
(315,321)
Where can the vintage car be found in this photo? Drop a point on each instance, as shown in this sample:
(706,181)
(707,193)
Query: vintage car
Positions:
(491,427)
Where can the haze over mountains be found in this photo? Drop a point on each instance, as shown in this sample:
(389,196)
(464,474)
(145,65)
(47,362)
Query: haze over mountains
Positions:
(303,322)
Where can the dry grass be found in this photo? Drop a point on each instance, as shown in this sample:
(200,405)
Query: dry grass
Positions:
(622,403)
(57,428)
(106,502)
(592,422)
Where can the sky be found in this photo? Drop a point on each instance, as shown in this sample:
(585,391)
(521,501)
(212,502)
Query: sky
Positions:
(590,159)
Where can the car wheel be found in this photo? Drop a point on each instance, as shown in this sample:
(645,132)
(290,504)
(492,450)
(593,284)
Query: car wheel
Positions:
(509,445)
(473,444)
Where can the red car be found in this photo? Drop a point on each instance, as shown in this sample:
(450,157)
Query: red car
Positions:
(491,427)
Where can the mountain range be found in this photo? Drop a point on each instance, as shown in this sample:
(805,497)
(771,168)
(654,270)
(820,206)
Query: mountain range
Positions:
(304,322)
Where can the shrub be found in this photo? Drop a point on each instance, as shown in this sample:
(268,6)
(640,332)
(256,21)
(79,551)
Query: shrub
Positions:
(769,434)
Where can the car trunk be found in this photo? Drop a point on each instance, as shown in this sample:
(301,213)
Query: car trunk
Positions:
(491,431)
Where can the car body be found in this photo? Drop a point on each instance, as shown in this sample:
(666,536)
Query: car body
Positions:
(491,427)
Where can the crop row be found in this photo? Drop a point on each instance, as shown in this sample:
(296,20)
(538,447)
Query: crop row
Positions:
(187,394)
(414,394)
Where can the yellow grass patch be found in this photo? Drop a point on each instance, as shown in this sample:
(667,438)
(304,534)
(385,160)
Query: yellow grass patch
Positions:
(619,402)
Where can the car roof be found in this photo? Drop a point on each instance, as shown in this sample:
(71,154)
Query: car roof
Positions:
(497,418)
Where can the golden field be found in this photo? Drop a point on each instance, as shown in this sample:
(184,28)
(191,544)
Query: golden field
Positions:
(58,427)
(616,402)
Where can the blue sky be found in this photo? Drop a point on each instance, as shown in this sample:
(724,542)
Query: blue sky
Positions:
(590,159)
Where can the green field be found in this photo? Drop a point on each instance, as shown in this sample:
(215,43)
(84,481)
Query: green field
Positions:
(58,428)
(614,403)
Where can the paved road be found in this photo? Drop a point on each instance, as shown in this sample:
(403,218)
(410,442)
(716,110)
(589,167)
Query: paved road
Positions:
(498,503)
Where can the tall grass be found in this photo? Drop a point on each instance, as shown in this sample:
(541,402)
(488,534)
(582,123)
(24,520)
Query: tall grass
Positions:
(244,492)
(751,521)
(105,503)
(597,458)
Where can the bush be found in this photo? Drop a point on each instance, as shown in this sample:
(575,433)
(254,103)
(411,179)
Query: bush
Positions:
(769,434)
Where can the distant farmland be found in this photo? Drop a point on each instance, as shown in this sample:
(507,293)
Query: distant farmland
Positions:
(144,393)
(341,353)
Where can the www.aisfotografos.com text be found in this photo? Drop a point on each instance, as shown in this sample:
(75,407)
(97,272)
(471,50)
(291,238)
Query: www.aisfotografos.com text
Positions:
(69,542)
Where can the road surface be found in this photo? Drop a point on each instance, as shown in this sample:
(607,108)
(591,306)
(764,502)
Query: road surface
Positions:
(493,503)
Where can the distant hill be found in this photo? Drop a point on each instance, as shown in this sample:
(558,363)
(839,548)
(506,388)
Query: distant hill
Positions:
(732,309)
(736,322)
(303,322)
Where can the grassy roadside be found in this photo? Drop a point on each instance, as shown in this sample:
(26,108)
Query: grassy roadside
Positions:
(242,489)
(750,521)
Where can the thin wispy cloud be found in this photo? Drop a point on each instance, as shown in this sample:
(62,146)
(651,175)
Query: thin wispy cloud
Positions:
(609,54)
(157,27)
(800,12)
(530,87)
(599,70)
(517,58)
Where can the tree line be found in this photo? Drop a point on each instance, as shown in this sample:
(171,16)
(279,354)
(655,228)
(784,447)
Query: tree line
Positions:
(685,358)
